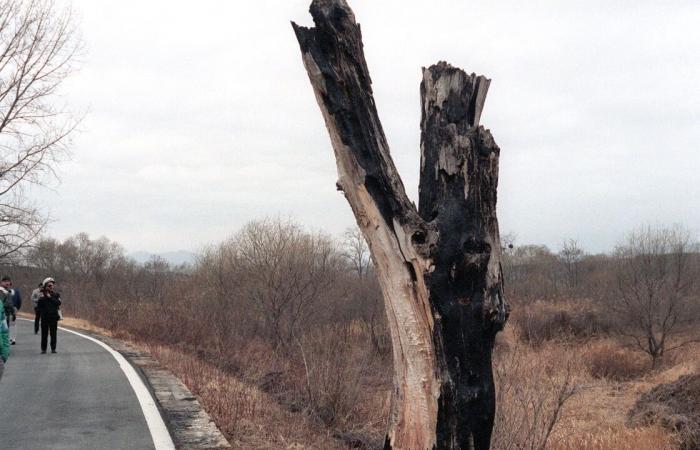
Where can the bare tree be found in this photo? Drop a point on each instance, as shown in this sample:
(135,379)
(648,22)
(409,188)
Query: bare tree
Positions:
(656,272)
(220,276)
(157,270)
(78,258)
(533,270)
(439,265)
(508,243)
(356,252)
(38,44)
(286,273)
(571,255)
(46,255)
(365,293)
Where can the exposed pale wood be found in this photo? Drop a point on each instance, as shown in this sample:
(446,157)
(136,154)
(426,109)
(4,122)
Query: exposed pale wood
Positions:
(439,266)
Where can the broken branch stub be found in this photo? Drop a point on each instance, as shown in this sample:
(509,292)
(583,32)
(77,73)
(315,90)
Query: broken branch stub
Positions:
(439,265)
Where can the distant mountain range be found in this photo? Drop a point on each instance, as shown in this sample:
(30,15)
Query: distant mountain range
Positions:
(175,258)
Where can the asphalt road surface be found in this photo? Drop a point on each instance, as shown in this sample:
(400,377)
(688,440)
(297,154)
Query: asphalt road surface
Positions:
(78,398)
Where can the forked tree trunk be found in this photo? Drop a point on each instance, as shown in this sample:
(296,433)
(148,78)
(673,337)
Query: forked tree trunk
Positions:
(439,265)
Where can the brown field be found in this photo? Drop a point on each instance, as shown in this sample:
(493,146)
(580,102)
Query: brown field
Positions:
(606,377)
(281,335)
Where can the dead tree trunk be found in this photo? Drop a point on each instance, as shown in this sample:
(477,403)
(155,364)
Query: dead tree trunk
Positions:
(439,265)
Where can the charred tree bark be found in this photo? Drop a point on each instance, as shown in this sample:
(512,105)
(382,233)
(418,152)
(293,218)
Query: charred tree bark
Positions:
(439,265)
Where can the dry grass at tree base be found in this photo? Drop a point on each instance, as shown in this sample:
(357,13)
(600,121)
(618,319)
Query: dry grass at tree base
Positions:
(249,417)
(530,380)
(606,359)
(651,438)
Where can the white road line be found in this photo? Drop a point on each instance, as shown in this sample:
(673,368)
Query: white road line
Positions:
(156,425)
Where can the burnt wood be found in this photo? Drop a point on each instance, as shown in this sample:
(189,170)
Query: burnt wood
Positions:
(439,265)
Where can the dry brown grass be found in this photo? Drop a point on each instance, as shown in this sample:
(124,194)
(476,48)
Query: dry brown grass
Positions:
(595,417)
(532,391)
(651,438)
(248,417)
(541,322)
(293,405)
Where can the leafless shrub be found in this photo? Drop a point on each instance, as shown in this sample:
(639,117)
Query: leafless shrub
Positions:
(337,363)
(533,270)
(609,361)
(287,272)
(332,371)
(655,294)
(540,322)
(531,394)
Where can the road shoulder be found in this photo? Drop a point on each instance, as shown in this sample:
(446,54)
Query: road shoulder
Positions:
(189,424)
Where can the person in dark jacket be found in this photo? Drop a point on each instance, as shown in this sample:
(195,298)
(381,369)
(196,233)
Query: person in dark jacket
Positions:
(17,303)
(48,306)
(6,294)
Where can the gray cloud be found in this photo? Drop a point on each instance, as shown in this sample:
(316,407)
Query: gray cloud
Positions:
(202,118)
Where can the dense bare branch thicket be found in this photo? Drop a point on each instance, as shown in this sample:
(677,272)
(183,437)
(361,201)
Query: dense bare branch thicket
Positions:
(656,279)
(284,274)
(536,273)
(38,45)
(531,398)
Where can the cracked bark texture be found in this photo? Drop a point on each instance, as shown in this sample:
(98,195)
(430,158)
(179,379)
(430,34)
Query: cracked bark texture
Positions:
(438,265)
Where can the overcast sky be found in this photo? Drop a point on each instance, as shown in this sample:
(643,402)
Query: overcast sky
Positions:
(200,116)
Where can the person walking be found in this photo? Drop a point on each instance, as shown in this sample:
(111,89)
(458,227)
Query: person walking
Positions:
(4,342)
(17,303)
(36,293)
(6,294)
(49,304)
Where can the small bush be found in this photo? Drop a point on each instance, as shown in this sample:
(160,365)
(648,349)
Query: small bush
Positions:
(331,382)
(542,322)
(613,363)
(532,391)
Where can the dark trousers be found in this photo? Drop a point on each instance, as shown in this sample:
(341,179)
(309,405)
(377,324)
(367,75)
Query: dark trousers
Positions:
(48,325)
(37,319)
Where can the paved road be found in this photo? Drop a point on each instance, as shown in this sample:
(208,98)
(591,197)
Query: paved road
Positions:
(75,399)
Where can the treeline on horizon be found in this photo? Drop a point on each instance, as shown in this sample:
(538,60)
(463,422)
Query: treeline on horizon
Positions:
(277,280)
(531,271)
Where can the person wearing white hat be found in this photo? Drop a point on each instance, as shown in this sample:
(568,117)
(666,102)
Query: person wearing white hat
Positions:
(48,306)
